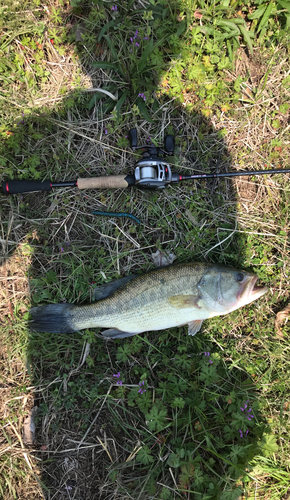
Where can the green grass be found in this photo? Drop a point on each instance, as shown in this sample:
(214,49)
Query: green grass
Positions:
(186,435)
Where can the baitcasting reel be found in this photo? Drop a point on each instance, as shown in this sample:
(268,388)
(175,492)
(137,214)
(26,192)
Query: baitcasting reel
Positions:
(152,171)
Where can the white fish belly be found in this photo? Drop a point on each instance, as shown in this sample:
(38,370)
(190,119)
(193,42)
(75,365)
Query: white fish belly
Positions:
(153,319)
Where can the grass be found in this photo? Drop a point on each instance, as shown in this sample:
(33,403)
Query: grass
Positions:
(224,94)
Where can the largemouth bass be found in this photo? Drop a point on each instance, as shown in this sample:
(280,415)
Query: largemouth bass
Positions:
(163,298)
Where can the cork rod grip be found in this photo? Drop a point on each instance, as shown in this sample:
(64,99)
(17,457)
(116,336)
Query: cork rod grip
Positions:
(105,182)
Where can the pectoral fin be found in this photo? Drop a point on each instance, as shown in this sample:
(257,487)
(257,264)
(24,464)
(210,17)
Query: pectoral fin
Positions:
(113,333)
(194,326)
(184,301)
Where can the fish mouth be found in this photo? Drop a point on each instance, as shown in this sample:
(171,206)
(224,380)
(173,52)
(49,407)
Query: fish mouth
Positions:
(256,291)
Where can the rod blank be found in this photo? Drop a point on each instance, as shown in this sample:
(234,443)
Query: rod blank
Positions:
(118,181)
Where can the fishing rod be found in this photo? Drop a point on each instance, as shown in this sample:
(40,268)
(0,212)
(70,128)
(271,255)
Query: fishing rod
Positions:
(151,172)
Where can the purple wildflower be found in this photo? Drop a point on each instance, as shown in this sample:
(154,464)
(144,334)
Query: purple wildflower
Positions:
(145,38)
(62,250)
(207,354)
(142,390)
(142,96)
(241,433)
(118,376)
(106,132)
(134,38)
(114,8)
(249,417)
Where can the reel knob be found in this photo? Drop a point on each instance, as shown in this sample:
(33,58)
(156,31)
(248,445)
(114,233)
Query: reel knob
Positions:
(132,136)
(169,143)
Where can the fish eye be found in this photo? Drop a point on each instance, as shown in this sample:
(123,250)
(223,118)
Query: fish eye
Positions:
(240,277)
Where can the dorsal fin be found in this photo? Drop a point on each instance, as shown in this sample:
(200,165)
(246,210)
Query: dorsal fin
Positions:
(103,291)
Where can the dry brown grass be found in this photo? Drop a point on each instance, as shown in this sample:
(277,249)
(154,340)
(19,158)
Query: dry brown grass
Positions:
(15,399)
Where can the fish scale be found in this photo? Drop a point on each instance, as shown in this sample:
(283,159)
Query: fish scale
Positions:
(162,298)
(132,304)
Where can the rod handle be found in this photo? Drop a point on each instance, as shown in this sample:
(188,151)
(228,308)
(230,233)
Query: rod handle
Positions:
(106,182)
(25,186)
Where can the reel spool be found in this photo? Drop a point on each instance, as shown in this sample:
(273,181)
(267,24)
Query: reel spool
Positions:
(150,171)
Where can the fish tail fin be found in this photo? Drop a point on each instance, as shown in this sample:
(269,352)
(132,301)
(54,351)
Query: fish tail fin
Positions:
(53,318)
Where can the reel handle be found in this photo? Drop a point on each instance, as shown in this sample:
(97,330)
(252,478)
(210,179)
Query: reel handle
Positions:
(22,186)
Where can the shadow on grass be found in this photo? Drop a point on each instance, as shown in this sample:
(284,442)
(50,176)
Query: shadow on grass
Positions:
(189,432)
(88,430)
